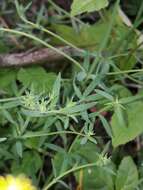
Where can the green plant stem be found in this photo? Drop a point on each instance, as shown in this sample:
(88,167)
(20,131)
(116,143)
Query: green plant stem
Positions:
(124,72)
(51,134)
(118,55)
(133,79)
(126,75)
(51,33)
(73,143)
(55,180)
(38,26)
(43,43)
(10,99)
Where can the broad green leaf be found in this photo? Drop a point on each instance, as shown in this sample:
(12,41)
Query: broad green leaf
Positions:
(90,36)
(93,178)
(32,143)
(29,164)
(130,130)
(80,6)
(120,91)
(7,76)
(131,99)
(128,62)
(81,151)
(61,163)
(78,152)
(96,177)
(37,78)
(127,175)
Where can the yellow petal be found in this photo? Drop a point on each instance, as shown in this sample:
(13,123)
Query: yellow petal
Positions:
(15,183)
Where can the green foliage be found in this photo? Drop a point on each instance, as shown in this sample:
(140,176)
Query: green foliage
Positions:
(97,177)
(29,164)
(123,133)
(127,175)
(54,128)
(7,76)
(63,161)
(121,90)
(90,36)
(37,78)
(80,6)
(33,77)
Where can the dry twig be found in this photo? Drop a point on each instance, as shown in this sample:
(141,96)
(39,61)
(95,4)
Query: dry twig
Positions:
(35,57)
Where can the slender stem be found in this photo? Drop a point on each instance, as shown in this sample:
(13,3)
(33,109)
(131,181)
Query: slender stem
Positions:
(118,55)
(50,32)
(73,143)
(36,134)
(40,27)
(126,75)
(43,43)
(133,79)
(124,72)
(10,99)
(55,180)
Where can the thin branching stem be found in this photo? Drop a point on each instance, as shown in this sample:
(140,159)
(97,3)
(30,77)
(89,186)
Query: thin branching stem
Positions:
(43,43)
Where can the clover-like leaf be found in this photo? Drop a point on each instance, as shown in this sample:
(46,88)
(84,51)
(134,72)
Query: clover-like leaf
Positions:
(38,78)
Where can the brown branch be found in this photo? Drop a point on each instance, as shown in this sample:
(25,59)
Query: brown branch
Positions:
(35,57)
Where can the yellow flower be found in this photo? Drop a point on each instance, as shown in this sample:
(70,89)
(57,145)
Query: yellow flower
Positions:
(15,183)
